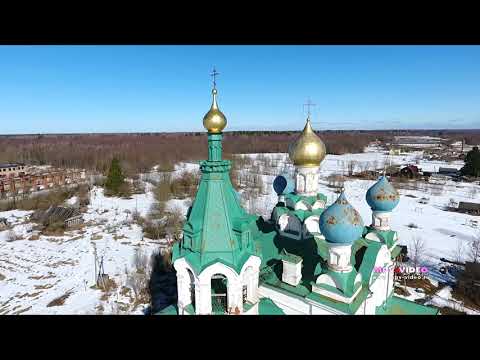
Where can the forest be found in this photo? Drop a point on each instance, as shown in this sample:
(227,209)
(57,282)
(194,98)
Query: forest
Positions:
(138,152)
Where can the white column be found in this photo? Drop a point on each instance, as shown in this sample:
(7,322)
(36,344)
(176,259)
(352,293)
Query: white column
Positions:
(339,257)
(183,291)
(381,220)
(306,180)
(234,293)
(253,291)
(204,306)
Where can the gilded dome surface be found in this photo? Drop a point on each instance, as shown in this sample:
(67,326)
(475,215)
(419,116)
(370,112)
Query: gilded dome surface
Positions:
(214,120)
(308,149)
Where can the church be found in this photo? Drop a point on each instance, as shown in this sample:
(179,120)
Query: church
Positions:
(309,258)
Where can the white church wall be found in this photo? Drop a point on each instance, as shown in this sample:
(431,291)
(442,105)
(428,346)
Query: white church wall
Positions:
(339,257)
(311,225)
(306,180)
(292,272)
(382,285)
(234,287)
(381,220)
(292,305)
(249,275)
(302,205)
(184,282)
(319,204)
(289,304)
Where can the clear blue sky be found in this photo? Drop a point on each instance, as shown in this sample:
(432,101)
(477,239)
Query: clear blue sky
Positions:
(58,89)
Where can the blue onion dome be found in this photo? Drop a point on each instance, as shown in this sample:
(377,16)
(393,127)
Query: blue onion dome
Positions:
(382,196)
(283,184)
(340,223)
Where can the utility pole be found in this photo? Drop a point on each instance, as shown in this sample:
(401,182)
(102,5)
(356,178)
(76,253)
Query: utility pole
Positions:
(95,255)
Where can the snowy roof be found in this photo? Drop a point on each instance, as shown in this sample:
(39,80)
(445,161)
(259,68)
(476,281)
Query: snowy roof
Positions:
(59,213)
(8,165)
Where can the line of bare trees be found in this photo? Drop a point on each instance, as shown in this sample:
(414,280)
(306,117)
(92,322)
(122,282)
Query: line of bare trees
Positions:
(139,152)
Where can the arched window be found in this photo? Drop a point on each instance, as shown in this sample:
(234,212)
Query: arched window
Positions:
(219,294)
(300,183)
(192,288)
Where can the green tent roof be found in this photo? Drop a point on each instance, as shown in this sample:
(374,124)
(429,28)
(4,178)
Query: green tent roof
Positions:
(169,310)
(294,259)
(398,306)
(217,227)
(267,307)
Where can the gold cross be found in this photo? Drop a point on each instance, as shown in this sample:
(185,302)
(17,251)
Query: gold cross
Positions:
(214,75)
(308,105)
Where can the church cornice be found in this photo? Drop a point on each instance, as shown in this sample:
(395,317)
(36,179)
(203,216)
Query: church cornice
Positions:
(208,167)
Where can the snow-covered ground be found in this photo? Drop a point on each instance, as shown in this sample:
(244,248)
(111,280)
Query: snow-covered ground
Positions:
(35,272)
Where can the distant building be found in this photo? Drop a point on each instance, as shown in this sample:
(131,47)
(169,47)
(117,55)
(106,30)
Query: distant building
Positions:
(14,169)
(68,215)
(3,224)
(410,171)
(469,208)
(448,171)
(20,181)
(420,142)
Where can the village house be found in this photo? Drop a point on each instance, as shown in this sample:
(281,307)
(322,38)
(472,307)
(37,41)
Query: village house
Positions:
(448,171)
(14,169)
(26,182)
(469,208)
(70,216)
(410,171)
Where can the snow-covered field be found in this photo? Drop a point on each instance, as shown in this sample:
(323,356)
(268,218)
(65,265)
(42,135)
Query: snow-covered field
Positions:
(35,272)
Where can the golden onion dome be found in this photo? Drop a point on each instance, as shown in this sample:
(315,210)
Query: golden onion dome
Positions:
(308,149)
(214,120)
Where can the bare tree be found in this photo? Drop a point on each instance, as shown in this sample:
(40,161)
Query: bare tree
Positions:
(139,276)
(174,222)
(473,192)
(351,165)
(458,253)
(474,249)
(364,166)
(417,248)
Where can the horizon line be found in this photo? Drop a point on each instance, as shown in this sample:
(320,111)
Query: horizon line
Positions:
(231,131)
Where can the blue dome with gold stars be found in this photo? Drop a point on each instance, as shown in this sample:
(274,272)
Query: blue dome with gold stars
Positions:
(340,223)
(382,196)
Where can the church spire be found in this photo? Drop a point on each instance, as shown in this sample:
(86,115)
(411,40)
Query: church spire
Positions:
(214,120)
